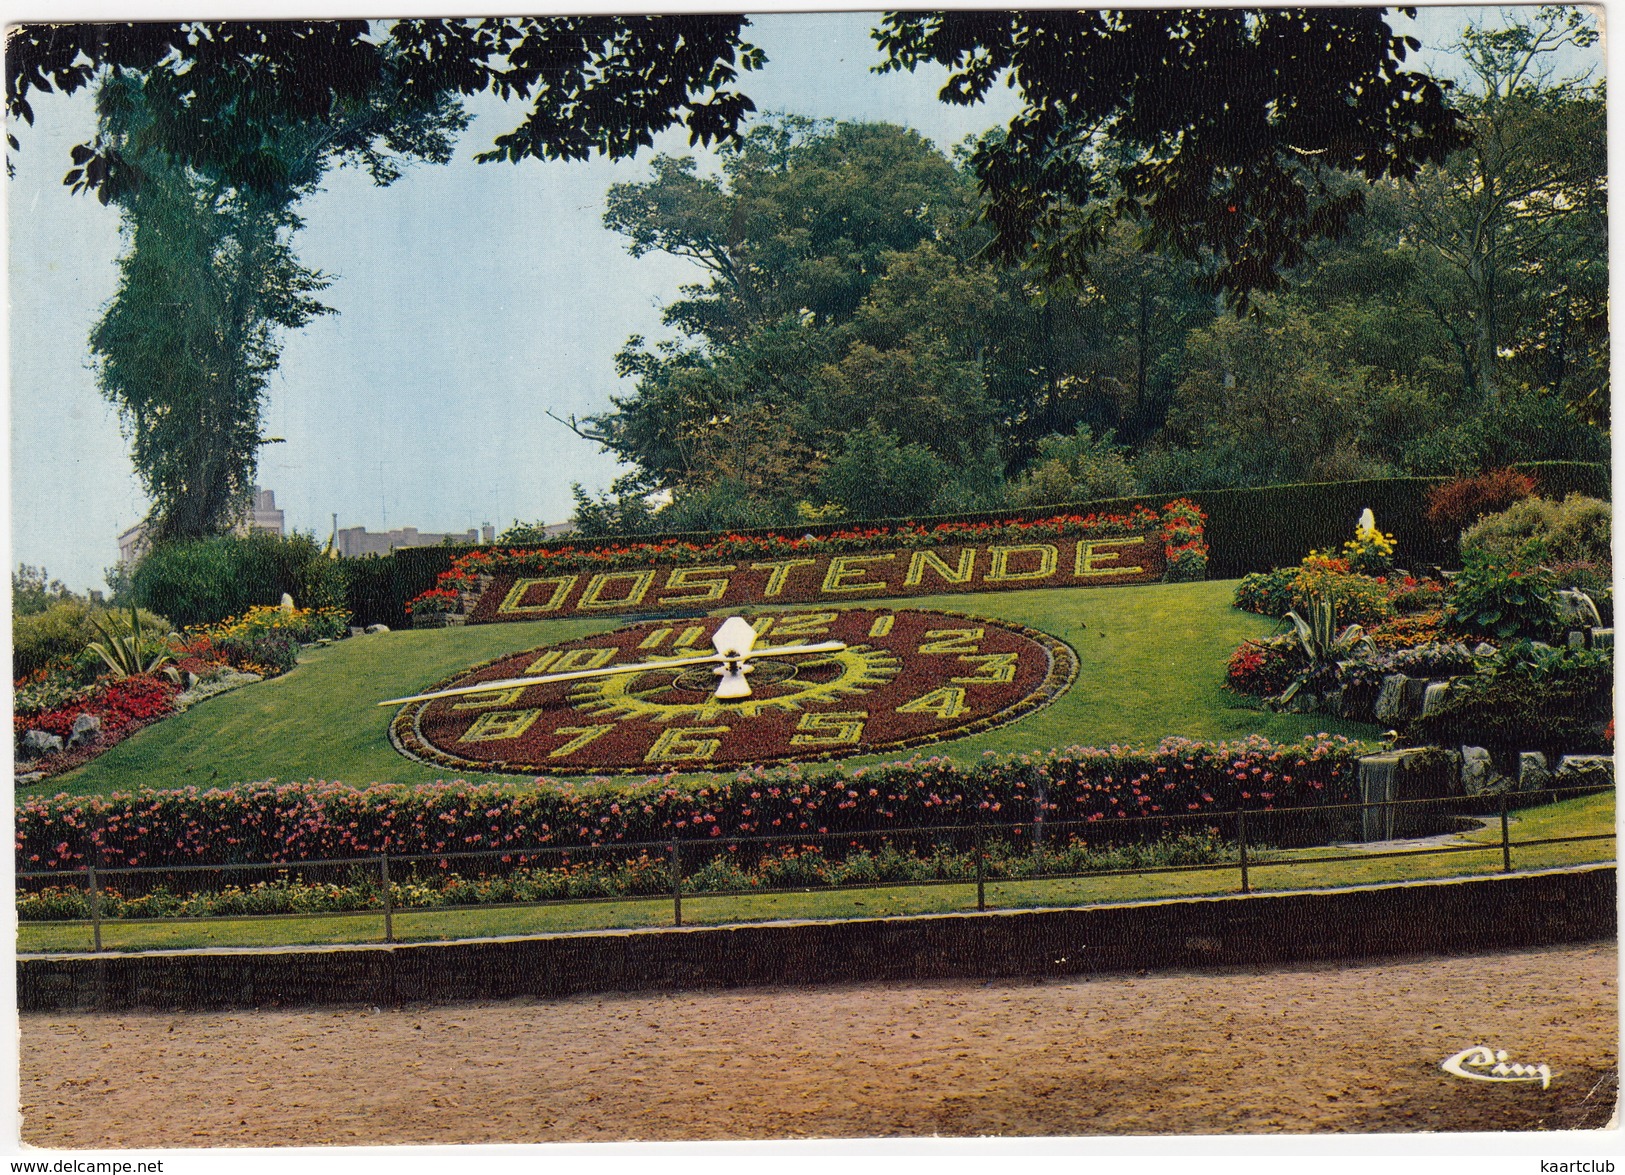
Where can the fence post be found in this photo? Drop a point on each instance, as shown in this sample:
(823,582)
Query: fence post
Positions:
(95,907)
(676,883)
(1506,840)
(1241,837)
(981,868)
(389,905)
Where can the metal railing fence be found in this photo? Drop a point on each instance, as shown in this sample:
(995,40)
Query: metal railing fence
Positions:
(980,854)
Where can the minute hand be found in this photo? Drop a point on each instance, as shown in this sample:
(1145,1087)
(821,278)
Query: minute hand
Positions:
(486,687)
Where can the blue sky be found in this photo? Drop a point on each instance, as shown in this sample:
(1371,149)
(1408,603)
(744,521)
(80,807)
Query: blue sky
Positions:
(471,298)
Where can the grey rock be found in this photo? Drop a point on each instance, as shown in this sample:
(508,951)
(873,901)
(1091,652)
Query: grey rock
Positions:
(357,631)
(87,728)
(1533,774)
(1484,649)
(1391,702)
(1577,640)
(1581,770)
(35,743)
(1476,772)
(373,629)
(1332,703)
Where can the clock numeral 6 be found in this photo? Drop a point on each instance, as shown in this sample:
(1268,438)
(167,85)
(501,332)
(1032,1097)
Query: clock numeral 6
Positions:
(686,742)
(837,728)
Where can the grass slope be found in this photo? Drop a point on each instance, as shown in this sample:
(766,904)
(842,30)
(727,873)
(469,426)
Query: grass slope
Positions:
(1151,664)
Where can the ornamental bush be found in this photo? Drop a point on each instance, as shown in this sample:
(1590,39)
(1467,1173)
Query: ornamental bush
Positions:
(1264,668)
(1462,502)
(294,822)
(1356,599)
(1269,593)
(1494,598)
(1537,530)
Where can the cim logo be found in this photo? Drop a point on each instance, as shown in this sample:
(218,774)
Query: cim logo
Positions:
(1482,1063)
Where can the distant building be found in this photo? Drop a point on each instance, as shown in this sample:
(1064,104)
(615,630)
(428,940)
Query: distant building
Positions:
(132,544)
(262,517)
(353,541)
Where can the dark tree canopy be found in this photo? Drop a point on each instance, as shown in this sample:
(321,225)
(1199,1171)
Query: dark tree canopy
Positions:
(594,83)
(1227,128)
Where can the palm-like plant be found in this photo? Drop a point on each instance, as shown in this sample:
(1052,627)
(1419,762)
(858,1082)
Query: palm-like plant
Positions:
(1321,641)
(131,653)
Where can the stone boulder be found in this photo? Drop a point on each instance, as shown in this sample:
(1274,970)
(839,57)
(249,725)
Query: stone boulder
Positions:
(87,728)
(37,743)
(374,629)
(1478,777)
(1533,773)
(1584,771)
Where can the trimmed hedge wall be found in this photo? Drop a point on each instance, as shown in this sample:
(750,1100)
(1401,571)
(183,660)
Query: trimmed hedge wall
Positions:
(1559,479)
(1247,529)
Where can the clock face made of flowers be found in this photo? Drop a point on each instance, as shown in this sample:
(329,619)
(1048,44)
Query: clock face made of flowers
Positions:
(901,678)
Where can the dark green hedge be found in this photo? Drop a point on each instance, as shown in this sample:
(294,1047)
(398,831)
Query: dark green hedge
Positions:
(371,592)
(1559,479)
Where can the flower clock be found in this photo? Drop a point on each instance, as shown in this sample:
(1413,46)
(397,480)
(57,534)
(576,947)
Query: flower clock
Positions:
(701,694)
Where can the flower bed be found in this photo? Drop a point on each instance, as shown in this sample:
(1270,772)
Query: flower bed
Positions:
(309,821)
(1178,531)
(264,641)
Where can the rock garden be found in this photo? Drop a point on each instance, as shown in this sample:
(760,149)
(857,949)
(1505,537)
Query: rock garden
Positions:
(1502,665)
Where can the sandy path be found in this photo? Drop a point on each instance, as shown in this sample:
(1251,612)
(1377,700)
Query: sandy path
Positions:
(1312,1048)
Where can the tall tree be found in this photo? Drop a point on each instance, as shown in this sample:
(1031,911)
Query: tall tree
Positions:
(209,281)
(1514,226)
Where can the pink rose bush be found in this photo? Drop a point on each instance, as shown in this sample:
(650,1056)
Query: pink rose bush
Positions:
(313,820)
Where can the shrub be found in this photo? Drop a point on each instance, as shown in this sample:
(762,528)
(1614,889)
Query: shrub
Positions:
(875,477)
(1263,668)
(1554,700)
(1459,503)
(1497,599)
(1268,593)
(206,580)
(369,590)
(1076,468)
(1184,549)
(1536,529)
(1369,552)
(63,631)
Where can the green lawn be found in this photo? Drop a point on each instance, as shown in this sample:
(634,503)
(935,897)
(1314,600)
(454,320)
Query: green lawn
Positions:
(1151,664)
(1295,869)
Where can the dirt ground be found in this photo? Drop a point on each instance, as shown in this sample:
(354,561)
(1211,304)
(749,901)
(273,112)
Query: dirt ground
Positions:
(1310,1048)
